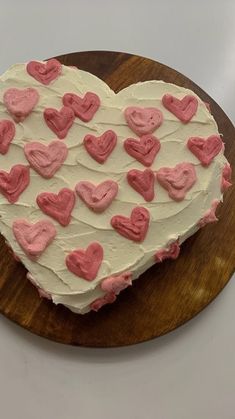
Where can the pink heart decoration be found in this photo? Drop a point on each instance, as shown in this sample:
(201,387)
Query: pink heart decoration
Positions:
(34,238)
(58,206)
(143,120)
(7,133)
(172,252)
(134,228)
(209,216)
(86,263)
(226,180)
(115,284)
(14,183)
(102,301)
(101,147)
(144,150)
(184,109)
(178,180)
(142,182)
(46,160)
(46,72)
(20,102)
(99,197)
(84,108)
(59,121)
(205,149)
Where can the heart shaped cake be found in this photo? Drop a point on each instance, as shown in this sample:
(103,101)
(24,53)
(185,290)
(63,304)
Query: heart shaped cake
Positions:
(96,187)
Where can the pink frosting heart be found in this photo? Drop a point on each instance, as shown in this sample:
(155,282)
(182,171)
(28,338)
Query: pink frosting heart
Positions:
(142,182)
(172,252)
(46,160)
(14,183)
(86,263)
(102,301)
(115,284)
(134,228)
(143,120)
(226,178)
(20,102)
(205,149)
(59,121)
(58,206)
(178,180)
(144,150)
(99,197)
(34,238)
(101,147)
(184,109)
(84,108)
(7,133)
(46,72)
(209,216)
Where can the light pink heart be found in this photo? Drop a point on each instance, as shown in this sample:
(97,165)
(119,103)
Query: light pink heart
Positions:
(99,197)
(46,159)
(20,102)
(34,238)
(178,180)
(143,121)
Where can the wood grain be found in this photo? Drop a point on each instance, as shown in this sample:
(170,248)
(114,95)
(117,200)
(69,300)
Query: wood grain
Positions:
(168,294)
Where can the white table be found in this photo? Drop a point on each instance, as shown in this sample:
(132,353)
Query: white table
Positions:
(190,373)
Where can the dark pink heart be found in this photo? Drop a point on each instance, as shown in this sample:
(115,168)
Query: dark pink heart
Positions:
(178,180)
(59,121)
(46,160)
(143,120)
(101,147)
(205,149)
(7,133)
(83,107)
(20,102)
(58,206)
(184,109)
(86,263)
(14,183)
(142,182)
(134,228)
(46,72)
(144,150)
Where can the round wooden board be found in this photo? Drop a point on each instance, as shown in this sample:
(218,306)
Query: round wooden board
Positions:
(168,294)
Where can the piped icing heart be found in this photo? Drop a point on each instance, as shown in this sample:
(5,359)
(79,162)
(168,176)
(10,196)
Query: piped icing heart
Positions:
(205,149)
(59,121)
(144,150)
(134,228)
(46,72)
(142,182)
(7,133)
(83,107)
(226,180)
(143,121)
(171,252)
(116,284)
(58,206)
(20,102)
(178,180)
(102,301)
(99,197)
(209,216)
(86,263)
(46,159)
(12,184)
(131,247)
(101,147)
(34,238)
(184,109)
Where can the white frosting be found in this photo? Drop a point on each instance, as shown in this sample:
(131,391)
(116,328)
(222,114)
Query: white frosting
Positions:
(169,219)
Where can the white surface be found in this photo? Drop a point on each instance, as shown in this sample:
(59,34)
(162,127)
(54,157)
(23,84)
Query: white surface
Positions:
(190,373)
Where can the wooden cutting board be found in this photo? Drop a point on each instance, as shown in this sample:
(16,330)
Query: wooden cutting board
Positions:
(168,294)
